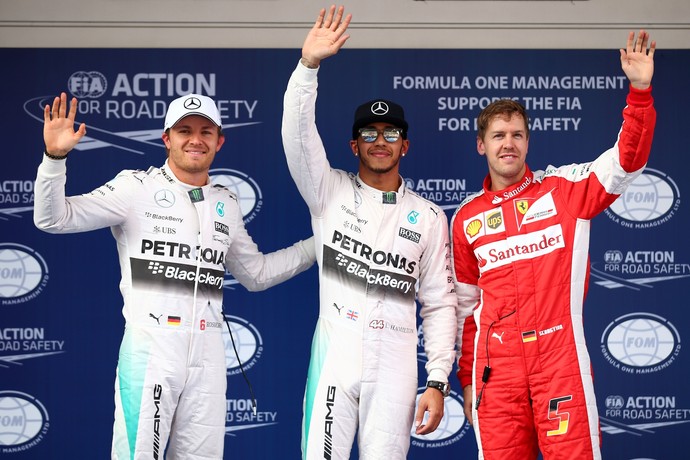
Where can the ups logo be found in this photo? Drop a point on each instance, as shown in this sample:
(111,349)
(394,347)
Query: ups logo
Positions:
(494,220)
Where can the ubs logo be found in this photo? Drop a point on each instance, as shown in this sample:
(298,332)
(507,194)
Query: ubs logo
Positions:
(164,230)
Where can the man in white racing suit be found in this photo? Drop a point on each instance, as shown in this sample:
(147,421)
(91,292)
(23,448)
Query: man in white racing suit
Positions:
(171,374)
(378,246)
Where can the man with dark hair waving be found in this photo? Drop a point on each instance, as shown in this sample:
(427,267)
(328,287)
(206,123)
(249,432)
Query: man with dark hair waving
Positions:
(378,245)
(520,259)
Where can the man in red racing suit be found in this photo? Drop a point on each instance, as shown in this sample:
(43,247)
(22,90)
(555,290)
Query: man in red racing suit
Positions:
(520,260)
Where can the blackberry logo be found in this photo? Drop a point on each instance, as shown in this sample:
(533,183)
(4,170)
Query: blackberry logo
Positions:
(341,260)
(156,268)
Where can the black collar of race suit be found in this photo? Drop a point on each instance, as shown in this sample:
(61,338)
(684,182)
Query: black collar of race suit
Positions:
(385,197)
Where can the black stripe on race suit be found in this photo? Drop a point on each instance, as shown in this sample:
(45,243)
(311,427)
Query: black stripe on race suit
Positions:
(359,274)
(171,278)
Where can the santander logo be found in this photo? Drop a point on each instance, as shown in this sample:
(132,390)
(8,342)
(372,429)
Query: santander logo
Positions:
(519,247)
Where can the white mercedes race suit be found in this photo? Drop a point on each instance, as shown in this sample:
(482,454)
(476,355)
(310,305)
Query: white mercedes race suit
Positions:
(375,251)
(175,243)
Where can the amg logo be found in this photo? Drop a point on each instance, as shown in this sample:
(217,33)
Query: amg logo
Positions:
(157,391)
(328,424)
(409,235)
(222,228)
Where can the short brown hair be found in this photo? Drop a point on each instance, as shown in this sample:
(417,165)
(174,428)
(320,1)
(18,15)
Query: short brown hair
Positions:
(504,108)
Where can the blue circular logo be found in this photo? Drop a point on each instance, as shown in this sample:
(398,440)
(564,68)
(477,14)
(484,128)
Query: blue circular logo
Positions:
(453,425)
(23,273)
(651,197)
(247,341)
(243,187)
(23,419)
(83,84)
(640,341)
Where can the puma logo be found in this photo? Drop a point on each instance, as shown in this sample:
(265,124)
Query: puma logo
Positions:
(337,308)
(499,337)
(158,318)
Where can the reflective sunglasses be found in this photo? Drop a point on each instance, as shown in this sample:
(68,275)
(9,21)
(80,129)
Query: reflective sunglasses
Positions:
(371,134)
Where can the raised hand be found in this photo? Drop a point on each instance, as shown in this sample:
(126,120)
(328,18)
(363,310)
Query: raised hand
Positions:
(637,61)
(58,127)
(326,37)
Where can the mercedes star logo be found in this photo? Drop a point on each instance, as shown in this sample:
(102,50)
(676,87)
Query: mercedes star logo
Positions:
(164,198)
(192,103)
(379,108)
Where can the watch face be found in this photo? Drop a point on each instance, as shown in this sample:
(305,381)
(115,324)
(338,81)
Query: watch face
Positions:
(442,387)
(446,389)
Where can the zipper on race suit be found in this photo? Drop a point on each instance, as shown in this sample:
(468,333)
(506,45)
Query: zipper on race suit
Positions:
(196,288)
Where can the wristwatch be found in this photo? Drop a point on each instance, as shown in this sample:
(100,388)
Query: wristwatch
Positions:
(443,387)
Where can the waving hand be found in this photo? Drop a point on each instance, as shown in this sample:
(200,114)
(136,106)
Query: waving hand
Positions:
(637,61)
(326,37)
(58,127)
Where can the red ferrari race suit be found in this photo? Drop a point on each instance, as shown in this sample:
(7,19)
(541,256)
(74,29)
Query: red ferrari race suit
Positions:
(520,260)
